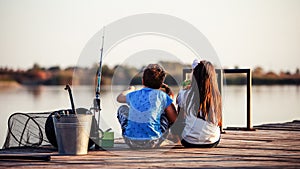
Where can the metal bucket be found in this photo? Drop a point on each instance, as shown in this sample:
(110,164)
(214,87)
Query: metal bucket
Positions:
(72,133)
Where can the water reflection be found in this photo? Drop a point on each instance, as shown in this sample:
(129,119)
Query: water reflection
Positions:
(36,91)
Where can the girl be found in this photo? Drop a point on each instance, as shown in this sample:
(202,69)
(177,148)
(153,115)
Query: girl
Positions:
(201,108)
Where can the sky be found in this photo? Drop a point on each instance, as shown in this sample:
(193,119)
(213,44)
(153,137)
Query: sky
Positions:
(243,33)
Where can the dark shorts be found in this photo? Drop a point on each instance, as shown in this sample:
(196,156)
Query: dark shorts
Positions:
(189,145)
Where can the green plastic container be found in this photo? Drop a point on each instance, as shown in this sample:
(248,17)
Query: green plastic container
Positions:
(107,140)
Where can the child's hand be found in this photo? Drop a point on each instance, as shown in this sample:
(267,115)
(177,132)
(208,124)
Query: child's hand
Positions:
(165,88)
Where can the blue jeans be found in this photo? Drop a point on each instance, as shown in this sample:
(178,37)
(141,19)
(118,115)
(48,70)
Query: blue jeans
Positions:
(122,116)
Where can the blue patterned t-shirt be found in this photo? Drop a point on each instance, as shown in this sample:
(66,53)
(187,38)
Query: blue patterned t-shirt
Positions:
(146,107)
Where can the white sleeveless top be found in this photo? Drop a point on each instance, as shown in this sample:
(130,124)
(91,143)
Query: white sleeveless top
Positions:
(196,130)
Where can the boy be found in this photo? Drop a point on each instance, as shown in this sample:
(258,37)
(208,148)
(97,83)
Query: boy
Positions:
(150,112)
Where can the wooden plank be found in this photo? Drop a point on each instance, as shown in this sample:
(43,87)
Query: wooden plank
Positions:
(263,148)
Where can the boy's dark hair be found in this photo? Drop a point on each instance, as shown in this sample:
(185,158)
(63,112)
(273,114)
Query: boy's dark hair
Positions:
(153,76)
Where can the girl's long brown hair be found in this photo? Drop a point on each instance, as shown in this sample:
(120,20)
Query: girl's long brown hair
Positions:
(205,93)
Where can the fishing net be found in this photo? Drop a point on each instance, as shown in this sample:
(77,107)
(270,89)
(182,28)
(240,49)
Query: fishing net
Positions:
(31,129)
(37,129)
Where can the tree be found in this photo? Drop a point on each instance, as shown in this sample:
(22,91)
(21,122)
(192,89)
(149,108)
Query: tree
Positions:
(106,71)
(258,71)
(36,66)
(297,71)
(54,68)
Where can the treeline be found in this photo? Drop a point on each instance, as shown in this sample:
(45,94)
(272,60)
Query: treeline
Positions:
(260,77)
(38,75)
(124,75)
(118,75)
(54,75)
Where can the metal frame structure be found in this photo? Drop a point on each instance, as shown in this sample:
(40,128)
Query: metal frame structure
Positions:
(220,79)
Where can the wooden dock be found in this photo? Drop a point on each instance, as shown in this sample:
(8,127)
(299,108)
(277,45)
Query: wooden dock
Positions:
(270,146)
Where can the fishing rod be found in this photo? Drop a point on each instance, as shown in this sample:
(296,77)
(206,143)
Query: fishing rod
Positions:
(96,107)
(99,73)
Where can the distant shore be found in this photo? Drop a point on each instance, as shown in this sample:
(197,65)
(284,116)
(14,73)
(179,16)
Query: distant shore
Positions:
(9,84)
(124,75)
(228,81)
(263,80)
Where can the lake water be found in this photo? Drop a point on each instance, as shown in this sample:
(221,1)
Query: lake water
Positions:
(270,104)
